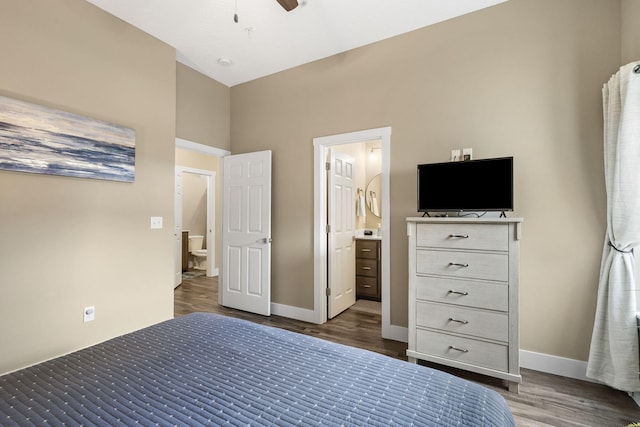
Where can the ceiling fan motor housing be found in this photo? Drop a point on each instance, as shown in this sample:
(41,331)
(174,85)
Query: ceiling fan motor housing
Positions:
(288,5)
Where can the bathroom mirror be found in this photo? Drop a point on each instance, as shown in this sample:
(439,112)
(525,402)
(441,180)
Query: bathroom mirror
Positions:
(374,196)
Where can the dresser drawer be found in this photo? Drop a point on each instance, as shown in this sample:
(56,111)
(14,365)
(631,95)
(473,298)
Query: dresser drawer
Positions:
(465,350)
(463,320)
(468,293)
(367,287)
(366,249)
(366,267)
(463,236)
(487,266)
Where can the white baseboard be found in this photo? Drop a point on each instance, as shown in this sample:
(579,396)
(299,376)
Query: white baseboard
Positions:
(292,312)
(556,365)
(396,333)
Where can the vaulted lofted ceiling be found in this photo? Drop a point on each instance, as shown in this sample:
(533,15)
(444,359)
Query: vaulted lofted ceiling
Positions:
(267,39)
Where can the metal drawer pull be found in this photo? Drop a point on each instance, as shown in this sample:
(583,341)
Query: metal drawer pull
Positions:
(464,322)
(463,350)
(366,268)
(458,236)
(451,291)
(366,286)
(365,250)
(457,264)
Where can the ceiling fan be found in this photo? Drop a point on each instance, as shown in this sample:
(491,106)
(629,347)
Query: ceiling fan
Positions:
(288,5)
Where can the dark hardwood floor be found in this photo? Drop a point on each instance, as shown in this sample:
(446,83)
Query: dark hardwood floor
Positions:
(544,399)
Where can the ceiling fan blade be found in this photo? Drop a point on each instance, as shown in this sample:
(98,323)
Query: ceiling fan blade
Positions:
(288,5)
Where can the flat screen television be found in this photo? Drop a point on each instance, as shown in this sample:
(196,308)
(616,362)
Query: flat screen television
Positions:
(473,186)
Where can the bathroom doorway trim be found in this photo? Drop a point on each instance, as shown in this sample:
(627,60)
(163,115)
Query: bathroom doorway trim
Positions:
(321,144)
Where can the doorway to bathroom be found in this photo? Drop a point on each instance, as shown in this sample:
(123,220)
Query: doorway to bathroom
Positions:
(381,139)
(194,222)
(197,209)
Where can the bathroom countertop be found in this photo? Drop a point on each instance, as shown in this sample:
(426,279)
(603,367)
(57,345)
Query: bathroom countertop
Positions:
(360,235)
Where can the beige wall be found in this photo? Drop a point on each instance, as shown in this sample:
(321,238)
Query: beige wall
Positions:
(520,79)
(630,31)
(196,160)
(194,204)
(68,243)
(202,109)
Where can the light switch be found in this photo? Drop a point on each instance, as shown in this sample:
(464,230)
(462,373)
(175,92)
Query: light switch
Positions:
(156,222)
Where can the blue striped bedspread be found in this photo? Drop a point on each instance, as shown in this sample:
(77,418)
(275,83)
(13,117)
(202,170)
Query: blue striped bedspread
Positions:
(207,369)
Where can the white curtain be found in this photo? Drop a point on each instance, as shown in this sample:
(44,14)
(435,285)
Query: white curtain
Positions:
(613,357)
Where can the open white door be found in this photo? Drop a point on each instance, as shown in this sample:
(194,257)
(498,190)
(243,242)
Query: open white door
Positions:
(177,231)
(341,236)
(246,233)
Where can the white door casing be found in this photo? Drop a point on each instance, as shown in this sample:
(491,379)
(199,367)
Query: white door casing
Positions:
(177,232)
(341,235)
(211,224)
(246,233)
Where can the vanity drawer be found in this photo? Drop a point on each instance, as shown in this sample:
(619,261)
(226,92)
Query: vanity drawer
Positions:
(463,320)
(463,236)
(367,287)
(366,249)
(468,293)
(366,267)
(487,266)
(465,350)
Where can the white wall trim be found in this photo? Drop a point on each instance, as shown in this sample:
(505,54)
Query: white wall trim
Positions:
(556,365)
(201,148)
(291,312)
(396,333)
(320,145)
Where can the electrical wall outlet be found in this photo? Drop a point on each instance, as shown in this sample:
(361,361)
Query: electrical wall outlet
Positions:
(156,222)
(467,153)
(89,314)
(455,155)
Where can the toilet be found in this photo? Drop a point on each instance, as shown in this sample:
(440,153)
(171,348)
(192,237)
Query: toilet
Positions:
(199,254)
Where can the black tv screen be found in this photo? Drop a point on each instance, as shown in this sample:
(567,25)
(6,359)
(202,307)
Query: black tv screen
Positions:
(473,185)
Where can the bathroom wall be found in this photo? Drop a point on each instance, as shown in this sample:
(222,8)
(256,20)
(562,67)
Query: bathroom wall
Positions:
(374,167)
(194,205)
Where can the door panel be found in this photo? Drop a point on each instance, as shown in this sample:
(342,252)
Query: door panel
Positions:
(246,233)
(341,238)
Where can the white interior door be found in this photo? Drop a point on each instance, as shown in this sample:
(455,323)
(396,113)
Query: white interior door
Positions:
(246,233)
(341,236)
(177,231)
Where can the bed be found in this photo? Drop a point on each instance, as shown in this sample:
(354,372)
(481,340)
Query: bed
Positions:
(208,369)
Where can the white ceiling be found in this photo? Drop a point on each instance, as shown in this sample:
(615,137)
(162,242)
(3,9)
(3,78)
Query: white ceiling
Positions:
(267,39)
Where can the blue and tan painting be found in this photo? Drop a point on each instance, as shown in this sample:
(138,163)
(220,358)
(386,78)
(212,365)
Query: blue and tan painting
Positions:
(38,139)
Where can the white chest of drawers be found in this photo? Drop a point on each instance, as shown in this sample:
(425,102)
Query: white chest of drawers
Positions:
(463,294)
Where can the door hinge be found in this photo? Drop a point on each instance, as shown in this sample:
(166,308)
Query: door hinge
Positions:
(328,292)
(327,166)
(328,228)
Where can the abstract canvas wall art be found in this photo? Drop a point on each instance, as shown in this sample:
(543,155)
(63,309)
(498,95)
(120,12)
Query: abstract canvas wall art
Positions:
(39,139)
